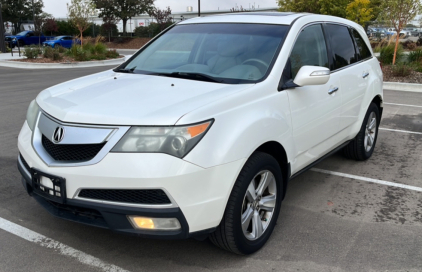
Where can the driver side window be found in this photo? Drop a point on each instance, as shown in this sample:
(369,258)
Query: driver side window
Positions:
(309,49)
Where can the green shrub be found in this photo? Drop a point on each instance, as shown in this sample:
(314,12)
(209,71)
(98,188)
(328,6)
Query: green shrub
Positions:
(48,52)
(415,56)
(56,55)
(61,49)
(31,52)
(141,31)
(100,48)
(82,55)
(88,47)
(72,51)
(387,53)
(112,54)
(98,57)
(401,70)
(419,42)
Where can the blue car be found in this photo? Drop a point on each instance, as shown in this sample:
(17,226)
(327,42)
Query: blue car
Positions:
(64,41)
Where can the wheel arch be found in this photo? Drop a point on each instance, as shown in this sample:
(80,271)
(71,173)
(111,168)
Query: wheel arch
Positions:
(377,100)
(277,151)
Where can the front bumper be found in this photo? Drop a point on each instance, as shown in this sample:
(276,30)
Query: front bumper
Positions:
(198,195)
(108,216)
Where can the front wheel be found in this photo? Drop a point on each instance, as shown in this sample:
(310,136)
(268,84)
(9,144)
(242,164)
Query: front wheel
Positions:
(253,206)
(362,147)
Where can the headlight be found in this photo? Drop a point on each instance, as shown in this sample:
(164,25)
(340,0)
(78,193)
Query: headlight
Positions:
(176,141)
(32,114)
(14,39)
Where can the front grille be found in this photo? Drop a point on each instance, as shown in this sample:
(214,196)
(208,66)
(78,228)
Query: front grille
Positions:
(153,196)
(25,164)
(69,152)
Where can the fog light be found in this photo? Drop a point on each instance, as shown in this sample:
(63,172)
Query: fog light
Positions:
(139,222)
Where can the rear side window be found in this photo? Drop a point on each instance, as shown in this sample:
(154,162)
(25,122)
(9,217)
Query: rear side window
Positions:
(341,45)
(309,49)
(362,48)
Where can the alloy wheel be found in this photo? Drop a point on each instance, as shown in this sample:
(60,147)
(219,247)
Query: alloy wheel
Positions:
(258,205)
(370,132)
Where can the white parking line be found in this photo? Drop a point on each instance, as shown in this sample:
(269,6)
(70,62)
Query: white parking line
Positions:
(402,131)
(383,182)
(63,249)
(403,105)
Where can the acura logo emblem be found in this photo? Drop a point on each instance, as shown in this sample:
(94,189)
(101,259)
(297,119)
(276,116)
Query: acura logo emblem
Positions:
(58,135)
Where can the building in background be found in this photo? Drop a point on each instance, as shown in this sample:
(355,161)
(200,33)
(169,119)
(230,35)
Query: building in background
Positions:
(145,19)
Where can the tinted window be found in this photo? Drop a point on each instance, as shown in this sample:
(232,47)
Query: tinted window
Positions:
(309,49)
(341,45)
(363,50)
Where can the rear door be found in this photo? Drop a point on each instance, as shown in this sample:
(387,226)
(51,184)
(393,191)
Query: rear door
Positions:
(66,42)
(315,113)
(351,71)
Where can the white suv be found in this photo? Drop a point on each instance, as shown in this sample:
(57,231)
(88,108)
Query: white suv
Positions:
(200,131)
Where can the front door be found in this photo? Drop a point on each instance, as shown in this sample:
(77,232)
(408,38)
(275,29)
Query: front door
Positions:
(315,113)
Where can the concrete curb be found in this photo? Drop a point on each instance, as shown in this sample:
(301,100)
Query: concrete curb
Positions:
(28,65)
(403,87)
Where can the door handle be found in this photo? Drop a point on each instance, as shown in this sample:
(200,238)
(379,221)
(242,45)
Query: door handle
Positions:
(333,90)
(365,75)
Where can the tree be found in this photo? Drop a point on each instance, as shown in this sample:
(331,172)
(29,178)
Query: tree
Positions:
(162,17)
(124,9)
(50,25)
(109,18)
(399,13)
(15,11)
(108,29)
(359,12)
(328,7)
(310,6)
(79,12)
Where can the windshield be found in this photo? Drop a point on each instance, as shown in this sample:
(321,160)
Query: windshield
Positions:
(227,53)
(58,38)
(23,33)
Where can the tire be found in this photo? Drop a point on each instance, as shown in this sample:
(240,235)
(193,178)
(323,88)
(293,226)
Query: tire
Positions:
(230,235)
(363,145)
(21,43)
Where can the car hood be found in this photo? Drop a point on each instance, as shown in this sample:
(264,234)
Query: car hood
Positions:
(111,98)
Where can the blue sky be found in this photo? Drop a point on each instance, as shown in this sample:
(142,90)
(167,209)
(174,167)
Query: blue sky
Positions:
(58,7)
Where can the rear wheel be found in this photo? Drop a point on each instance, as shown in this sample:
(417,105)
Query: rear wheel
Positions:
(362,147)
(253,206)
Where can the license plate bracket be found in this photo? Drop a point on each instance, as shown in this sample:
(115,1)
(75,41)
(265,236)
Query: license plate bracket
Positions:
(49,186)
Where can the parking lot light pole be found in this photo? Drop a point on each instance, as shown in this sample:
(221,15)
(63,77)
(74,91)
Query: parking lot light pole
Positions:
(2,42)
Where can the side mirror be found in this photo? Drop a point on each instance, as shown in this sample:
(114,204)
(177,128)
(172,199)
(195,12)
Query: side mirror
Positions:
(312,75)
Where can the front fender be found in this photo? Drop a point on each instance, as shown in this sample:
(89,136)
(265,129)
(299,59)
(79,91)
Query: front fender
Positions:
(242,124)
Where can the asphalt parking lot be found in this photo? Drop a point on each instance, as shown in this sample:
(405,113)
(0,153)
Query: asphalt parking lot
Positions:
(328,222)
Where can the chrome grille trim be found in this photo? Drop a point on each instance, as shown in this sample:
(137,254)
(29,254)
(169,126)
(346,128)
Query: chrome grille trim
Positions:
(79,134)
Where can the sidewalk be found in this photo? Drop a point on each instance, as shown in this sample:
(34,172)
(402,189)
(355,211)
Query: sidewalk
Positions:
(8,56)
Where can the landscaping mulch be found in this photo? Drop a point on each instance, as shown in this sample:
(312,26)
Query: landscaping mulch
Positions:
(414,77)
(135,43)
(65,59)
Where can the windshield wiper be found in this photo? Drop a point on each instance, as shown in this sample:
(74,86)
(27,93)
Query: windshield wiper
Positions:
(190,75)
(124,70)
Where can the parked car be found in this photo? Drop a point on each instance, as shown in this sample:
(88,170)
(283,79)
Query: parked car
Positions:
(403,33)
(413,32)
(199,132)
(26,38)
(377,33)
(64,41)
